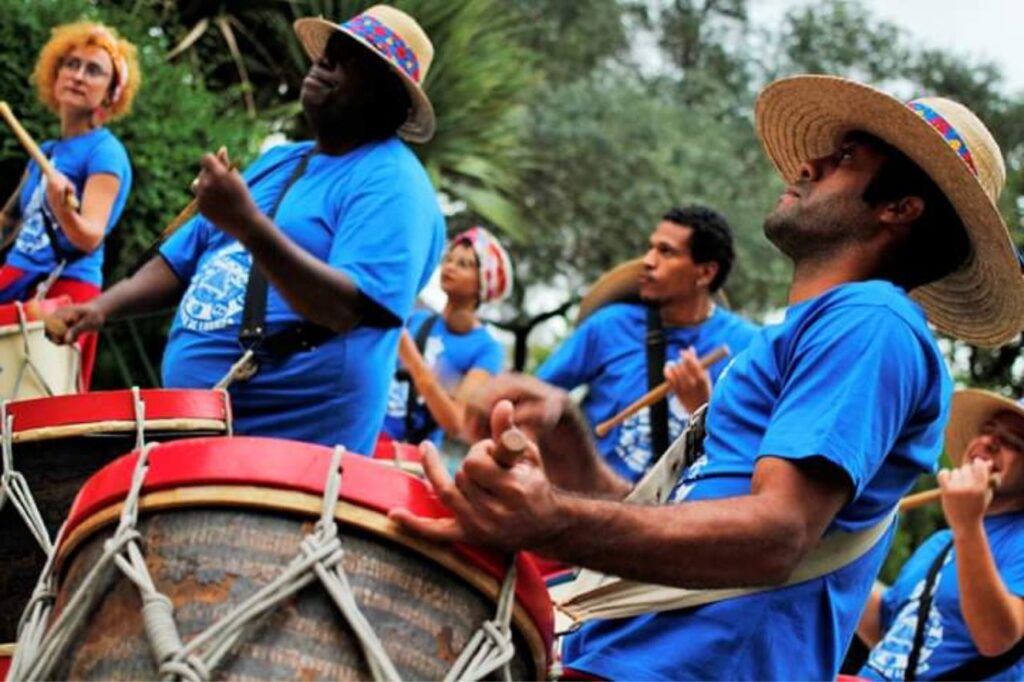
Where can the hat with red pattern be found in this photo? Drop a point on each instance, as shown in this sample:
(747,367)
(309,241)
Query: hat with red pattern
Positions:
(495,264)
(396,38)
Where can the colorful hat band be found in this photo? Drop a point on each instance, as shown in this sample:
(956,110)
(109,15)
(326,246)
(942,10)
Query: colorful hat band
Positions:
(948,132)
(387,42)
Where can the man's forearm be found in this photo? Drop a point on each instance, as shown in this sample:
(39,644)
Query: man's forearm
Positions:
(312,288)
(740,541)
(994,617)
(153,287)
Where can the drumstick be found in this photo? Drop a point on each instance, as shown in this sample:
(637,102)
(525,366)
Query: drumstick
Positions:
(509,446)
(655,394)
(928,496)
(183,217)
(70,200)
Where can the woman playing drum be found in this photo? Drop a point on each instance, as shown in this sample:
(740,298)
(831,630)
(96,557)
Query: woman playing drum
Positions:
(86,75)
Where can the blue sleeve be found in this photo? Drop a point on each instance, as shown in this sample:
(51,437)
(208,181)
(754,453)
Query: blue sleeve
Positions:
(491,357)
(851,380)
(1011,568)
(386,238)
(572,364)
(183,249)
(109,157)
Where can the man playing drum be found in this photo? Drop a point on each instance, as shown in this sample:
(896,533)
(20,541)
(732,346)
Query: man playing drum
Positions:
(817,428)
(688,260)
(344,231)
(956,611)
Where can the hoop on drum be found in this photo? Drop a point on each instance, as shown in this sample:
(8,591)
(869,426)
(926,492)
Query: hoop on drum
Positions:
(242,552)
(31,365)
(398,454)
(50,447)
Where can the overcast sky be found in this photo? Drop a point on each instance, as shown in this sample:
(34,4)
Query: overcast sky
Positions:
(981,29)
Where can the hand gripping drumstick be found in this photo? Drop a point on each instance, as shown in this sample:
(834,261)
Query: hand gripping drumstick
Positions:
(510,445)
(70,200)
(655,394)
(928,496)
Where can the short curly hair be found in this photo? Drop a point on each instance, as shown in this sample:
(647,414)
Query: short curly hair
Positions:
(66,38)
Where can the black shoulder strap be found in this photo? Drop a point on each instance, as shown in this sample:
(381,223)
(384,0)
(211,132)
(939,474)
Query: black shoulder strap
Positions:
(984,667)
(254,315)
(655,346)
(411,435)
(923,609)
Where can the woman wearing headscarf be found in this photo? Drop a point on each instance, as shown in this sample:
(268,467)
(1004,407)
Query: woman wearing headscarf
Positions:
(448,355)
(86,75)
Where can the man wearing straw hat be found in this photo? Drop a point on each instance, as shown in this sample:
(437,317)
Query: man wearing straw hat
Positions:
(814,433)
(619,350)
(956,611)
(344,231)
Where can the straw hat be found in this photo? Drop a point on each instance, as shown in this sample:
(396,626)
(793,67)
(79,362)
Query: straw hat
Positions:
(805,117)
(396,38)
(971,409)
(496,277)
(622,283)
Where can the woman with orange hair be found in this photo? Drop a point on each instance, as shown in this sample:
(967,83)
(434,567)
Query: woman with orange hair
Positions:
(86,75)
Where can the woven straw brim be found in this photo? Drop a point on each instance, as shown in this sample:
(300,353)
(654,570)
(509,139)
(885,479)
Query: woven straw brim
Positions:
(618,284)
(806,117)
(971,409)
(314,32)
(622,283)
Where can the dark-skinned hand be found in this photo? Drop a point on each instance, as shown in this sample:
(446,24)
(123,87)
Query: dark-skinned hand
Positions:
(507,508)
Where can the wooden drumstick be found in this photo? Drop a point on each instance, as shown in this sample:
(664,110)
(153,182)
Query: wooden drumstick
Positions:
(70,200)
(510,445)
(928,496)
(186,214)
(655,394)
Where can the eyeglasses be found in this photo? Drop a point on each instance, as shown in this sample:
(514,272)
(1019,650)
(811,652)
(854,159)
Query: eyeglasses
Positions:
(93,71)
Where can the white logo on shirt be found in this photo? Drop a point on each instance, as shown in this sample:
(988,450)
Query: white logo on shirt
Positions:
(891,656)
(634,444)
(33,237)
(216,296)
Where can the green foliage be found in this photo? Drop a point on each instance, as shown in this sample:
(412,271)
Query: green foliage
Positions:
(175,120)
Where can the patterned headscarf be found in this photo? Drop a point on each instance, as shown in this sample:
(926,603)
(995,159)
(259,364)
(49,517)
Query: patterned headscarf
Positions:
(495,264)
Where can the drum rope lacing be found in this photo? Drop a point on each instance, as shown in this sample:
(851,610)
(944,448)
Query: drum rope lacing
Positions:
(320,556)
(28,362)
(15,488)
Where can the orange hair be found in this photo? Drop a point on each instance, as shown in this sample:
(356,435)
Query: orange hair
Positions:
(65,38)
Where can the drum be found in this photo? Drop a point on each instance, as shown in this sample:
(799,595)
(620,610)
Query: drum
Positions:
(57,443)
(401,455)
(6,654)
(30,364)
(222,521)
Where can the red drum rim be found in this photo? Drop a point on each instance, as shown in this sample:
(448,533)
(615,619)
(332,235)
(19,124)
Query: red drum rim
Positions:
(118,406)
(298,467)
(6,658)
(34,310)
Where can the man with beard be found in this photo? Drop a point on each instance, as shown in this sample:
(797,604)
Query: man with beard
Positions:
(687,261)
(815,431)
(344,231)
(956,611)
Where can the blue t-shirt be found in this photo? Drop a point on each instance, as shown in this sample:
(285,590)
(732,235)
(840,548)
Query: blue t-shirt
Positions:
(607,352)
(947,642)
(450,356)
(372,214)
(97,151)
(853,376)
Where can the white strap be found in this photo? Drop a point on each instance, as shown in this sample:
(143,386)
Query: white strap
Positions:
(605,596)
